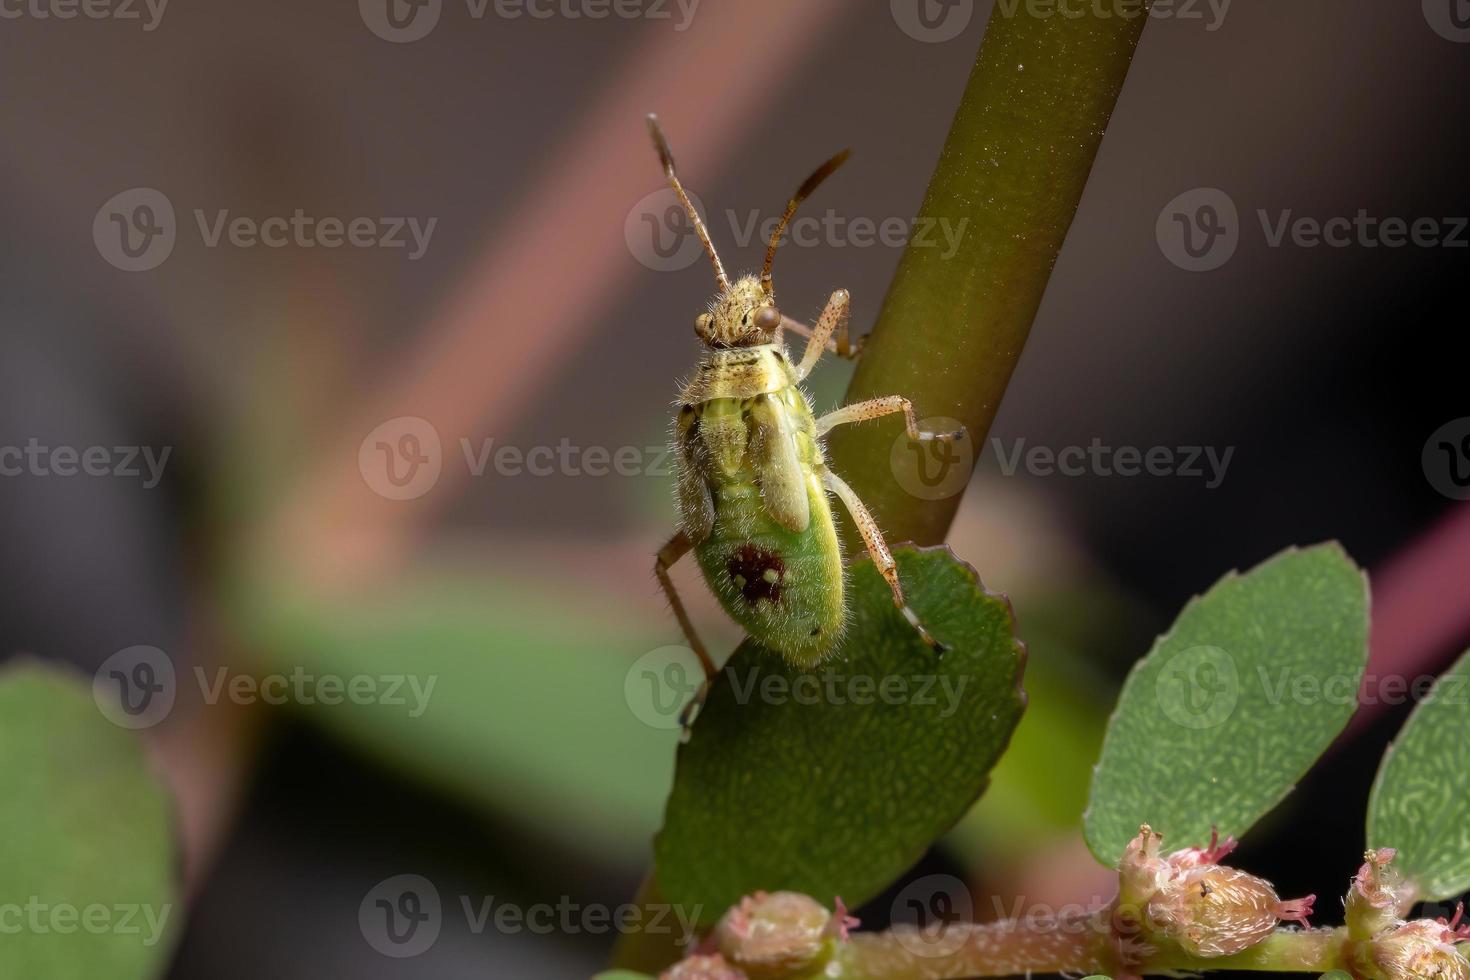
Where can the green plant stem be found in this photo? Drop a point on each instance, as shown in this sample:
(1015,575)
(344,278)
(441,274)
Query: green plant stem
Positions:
(1008,180)
(1006,948)
(1015,948)
(1286,951)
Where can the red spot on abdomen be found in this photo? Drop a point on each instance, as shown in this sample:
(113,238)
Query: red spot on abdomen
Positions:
(757,573)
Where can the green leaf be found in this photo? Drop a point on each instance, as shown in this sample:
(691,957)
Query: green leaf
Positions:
(1421,799)
(789,784)
(1216,725)
(89,854)
(622,975)
(1337,975)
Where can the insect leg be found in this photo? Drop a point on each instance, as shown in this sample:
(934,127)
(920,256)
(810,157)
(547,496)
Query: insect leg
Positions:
(832,321)
(878,549)
(678,546)
(875,408)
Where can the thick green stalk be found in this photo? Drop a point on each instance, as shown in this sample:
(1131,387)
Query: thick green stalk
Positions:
(1008,180)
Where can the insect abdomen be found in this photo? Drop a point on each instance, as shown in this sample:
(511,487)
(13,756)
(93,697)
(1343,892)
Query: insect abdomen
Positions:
(784,587)
(771,556)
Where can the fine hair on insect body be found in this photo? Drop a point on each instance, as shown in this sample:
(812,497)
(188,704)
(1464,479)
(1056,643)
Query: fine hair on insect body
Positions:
(753,487)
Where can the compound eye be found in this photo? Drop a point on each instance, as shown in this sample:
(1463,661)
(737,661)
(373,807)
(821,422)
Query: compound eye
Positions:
(702,324)
(767,319)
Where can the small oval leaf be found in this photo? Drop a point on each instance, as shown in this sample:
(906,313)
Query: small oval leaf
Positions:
(1233,705)
(835,781)
(1421,799)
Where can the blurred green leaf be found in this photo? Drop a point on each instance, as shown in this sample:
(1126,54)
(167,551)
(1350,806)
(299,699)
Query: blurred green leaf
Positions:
(622,975)
(528,715)
(789,784)
(1039,787)
(88,863)
(1253,682)
(1421,799)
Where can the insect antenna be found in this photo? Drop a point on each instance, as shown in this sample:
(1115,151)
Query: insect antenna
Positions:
(802,193)
(666,157)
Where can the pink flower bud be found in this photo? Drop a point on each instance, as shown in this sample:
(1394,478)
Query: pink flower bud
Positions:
(1189,898)
(779,933)
(1213,910)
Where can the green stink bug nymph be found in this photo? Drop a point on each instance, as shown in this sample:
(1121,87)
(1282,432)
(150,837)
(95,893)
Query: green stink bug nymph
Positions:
(753,483)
